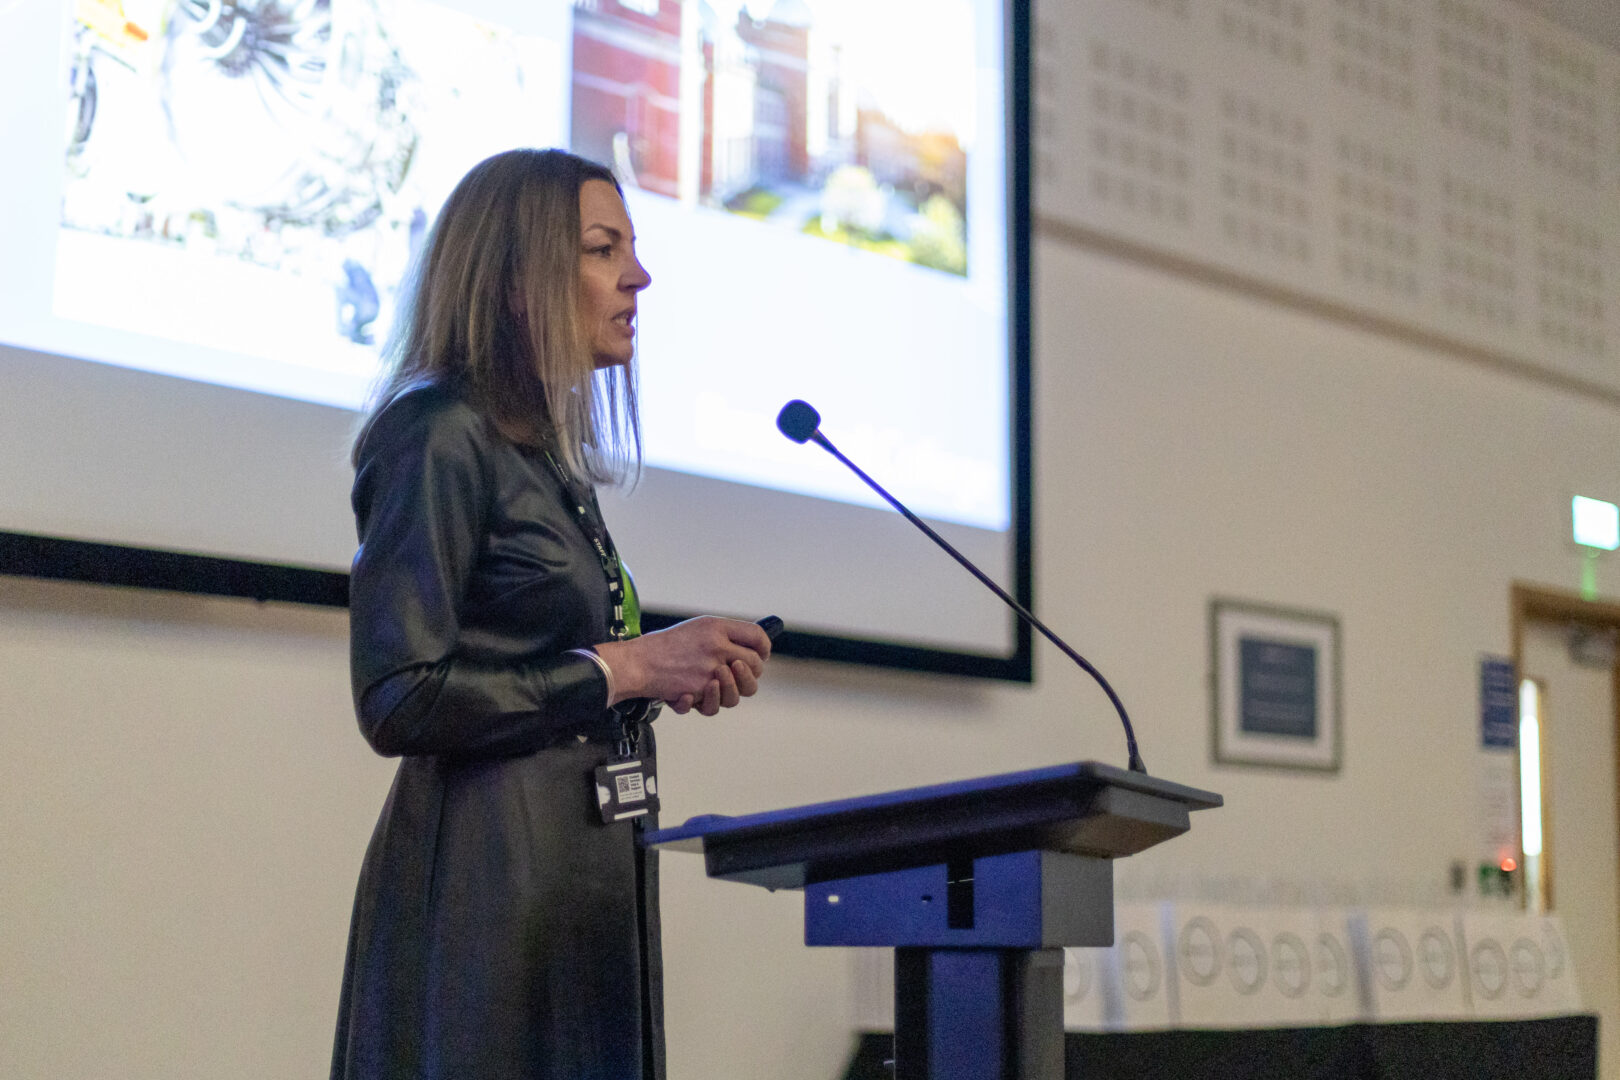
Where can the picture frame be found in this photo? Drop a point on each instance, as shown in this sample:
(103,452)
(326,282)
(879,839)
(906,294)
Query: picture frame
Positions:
(1276,687)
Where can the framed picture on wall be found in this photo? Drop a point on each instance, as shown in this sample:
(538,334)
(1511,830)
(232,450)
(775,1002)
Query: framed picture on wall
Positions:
(1275,686)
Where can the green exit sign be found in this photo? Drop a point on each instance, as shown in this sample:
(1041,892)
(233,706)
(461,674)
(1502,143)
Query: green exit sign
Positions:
(1597,523)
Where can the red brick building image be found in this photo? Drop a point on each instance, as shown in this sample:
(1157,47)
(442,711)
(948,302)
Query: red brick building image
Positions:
(626,89)
(759,109)
(780,50)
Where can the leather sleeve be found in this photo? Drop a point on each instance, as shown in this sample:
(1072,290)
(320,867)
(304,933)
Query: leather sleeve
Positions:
(422,497)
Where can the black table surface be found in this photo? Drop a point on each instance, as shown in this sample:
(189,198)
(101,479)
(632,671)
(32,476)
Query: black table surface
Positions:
(1563,1047)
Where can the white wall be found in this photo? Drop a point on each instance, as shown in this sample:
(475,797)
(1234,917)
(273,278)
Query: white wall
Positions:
(183,809)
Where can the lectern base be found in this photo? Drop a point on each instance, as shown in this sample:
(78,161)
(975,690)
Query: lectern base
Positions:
(978,1014)
(978,963)
(976,884)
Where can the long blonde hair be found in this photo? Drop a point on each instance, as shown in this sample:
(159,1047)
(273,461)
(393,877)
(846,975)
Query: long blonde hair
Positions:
(491,307)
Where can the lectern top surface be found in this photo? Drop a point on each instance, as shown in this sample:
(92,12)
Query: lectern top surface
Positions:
(1076,775)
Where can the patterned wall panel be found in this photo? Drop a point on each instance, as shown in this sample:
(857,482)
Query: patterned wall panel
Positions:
(1448,168)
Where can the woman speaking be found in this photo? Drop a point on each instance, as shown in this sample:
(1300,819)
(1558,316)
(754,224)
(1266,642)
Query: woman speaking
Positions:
(503,928)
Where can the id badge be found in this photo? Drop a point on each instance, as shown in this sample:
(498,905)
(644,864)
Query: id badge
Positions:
(626,787)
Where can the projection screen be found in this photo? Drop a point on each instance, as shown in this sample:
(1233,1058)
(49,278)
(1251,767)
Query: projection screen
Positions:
(212,203)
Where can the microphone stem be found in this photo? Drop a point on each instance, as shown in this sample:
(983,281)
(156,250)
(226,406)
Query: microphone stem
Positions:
(1135,758)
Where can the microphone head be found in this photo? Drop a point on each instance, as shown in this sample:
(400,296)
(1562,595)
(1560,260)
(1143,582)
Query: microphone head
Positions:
(798,420)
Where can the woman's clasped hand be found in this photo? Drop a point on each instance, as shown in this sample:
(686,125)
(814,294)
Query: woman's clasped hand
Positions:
(707,664)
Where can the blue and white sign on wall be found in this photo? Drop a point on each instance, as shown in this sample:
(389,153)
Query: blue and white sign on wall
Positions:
(1275,680)
(1498,704)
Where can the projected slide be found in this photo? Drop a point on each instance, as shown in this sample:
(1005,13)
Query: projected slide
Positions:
(237,188)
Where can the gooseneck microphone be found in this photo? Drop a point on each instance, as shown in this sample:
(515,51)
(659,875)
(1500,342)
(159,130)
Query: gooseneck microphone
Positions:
(800,422)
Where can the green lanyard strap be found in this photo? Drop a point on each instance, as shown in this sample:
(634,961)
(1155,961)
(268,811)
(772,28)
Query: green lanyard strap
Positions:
(625,617)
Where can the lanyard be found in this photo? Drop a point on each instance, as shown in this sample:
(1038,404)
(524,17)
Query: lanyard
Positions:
(589,517)
(595,530)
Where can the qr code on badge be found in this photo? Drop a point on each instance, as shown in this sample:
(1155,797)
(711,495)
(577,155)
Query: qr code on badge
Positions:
(631,788)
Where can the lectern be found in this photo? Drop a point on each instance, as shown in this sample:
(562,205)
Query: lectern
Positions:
(978,886)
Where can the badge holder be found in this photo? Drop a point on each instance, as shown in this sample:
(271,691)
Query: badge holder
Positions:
(626,787)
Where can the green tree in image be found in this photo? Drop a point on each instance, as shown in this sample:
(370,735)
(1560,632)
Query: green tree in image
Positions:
(940,238)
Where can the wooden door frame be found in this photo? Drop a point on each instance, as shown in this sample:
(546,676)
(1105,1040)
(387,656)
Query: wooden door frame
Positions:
(1539,603)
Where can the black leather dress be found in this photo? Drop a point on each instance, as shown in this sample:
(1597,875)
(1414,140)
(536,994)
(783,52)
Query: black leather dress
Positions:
(500,930)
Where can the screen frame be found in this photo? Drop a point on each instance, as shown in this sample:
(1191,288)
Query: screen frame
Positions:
(62,558)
